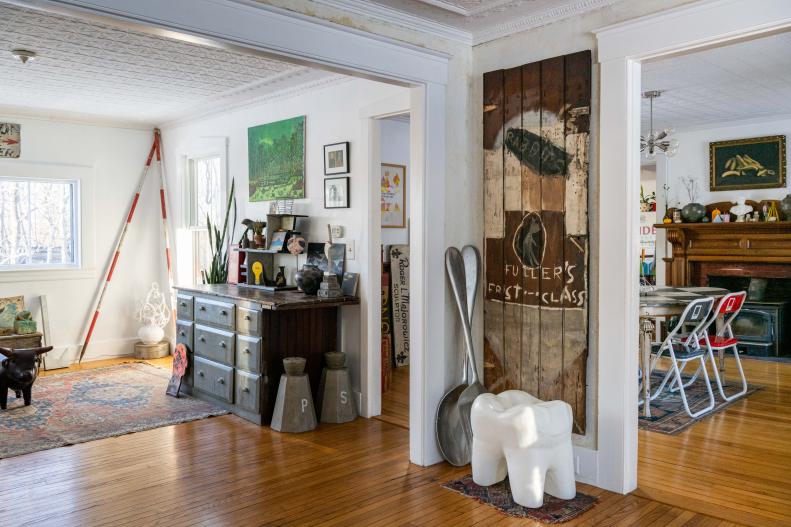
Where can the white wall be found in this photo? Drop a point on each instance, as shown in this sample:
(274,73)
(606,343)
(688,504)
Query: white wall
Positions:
(692,160)
(395,150)
(332,115)
(109,162)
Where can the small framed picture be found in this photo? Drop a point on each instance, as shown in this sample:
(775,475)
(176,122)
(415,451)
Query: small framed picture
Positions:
(336,158)
(278,240)
(336,193)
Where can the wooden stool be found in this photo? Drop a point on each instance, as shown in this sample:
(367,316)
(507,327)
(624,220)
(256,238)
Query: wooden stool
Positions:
(294,411)
(335,391)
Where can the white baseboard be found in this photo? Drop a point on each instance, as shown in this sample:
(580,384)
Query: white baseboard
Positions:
(586,465)
(65,356)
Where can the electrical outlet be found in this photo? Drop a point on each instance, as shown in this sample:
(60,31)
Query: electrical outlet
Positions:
(336,231)
(351,251)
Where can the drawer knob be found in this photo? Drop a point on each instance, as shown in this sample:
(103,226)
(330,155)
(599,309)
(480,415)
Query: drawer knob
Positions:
(200,374)
(202,308)
(182,333)
(222,344)
(221,380)
(223,312)
(202,339)
(183,304)
(247,317)
(246,389)
(247,351)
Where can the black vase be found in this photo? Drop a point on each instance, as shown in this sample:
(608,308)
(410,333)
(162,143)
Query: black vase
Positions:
(309,279)
(280,279)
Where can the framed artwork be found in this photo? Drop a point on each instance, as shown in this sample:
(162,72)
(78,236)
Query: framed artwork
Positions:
(278,240)
(317,257)
(336,158)
(350,282)
(758,162)
(10,135)
(276,160)
(393,196)
(336,193)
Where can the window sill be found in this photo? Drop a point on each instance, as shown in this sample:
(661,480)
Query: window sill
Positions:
(38,275)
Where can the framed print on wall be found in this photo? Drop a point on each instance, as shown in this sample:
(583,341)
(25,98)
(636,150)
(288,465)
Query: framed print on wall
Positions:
(276,160)
(10,136)
(336,193)
(336,158)
(757,162)
(393,199)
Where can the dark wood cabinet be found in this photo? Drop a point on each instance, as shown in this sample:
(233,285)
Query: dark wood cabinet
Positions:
(237,338)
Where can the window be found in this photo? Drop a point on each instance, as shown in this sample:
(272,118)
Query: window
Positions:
(38,223)
(206,199)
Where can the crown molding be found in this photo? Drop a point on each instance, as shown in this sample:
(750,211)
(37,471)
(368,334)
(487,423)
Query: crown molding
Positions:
(286,93)
(10,113)
(399,18)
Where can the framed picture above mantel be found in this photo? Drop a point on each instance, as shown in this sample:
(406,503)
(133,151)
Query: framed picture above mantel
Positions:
(753,163)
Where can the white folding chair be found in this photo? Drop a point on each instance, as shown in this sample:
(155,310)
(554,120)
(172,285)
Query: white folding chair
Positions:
(683,347)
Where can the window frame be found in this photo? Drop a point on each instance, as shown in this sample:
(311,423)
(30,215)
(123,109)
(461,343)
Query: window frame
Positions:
(75,221)
(83,175)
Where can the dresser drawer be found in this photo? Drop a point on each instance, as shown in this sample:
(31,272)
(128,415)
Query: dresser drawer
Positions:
(248,321)
(184,333)
(214,344)
(184,306)
(248,353)
(215,379)
(214,312)
(248,391)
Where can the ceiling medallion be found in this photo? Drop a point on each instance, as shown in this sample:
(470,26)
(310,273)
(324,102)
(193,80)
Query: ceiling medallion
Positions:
(24,55)
(657,141)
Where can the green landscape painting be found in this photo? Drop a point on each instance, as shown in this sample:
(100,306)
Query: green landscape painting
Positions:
(276,156)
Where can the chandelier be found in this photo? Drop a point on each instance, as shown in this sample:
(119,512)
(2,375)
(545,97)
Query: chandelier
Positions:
(657,141)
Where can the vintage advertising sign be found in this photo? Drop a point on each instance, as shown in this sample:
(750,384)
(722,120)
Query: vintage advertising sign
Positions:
(10,136)
(536,123)
(399,269)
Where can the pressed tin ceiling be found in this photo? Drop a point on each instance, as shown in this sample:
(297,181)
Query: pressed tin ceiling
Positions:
(99,70)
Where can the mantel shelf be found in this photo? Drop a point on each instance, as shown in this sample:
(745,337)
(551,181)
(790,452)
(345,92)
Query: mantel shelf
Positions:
(733,226)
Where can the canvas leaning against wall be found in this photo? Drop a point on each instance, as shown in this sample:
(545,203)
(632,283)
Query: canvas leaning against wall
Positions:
(276,160)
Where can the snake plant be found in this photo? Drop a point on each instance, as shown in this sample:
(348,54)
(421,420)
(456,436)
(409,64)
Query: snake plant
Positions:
(219,243)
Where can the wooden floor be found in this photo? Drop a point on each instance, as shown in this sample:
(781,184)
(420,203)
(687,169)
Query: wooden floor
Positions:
(225,471)
(735,464)
(395,401)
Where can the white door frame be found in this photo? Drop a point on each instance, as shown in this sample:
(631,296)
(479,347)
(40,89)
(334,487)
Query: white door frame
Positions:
(297,38)
(621,48)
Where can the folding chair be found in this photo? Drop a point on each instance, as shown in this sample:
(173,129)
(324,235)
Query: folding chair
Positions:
(683,347)
(729,307)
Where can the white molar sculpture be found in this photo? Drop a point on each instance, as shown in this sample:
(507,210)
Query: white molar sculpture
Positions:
(517,435)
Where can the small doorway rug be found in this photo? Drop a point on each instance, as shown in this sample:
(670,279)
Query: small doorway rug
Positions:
(499,496)
(82,406)
(667,410)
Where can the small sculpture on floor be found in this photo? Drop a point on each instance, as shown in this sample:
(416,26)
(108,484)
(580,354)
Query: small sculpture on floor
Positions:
(529,440)
(18,372)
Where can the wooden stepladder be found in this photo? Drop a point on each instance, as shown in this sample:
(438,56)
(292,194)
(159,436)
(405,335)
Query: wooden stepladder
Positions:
(155,151)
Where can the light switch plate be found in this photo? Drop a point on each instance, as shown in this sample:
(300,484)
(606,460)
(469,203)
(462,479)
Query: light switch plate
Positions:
(336,231)
(351,250)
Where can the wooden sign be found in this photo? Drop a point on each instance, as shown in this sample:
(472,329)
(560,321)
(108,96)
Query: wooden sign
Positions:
(536,121)
(179,369)
(387,330)
(10,137)
(399,268)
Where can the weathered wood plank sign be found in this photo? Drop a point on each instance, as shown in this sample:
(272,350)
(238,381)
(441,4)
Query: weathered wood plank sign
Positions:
(536,123)
(399,269)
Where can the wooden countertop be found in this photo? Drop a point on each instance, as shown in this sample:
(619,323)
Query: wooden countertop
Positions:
(276,301)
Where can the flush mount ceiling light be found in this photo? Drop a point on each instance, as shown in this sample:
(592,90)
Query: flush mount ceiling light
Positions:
(23,55)
(657,141)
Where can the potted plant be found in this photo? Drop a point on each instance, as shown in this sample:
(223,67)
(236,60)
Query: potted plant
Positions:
(219,243)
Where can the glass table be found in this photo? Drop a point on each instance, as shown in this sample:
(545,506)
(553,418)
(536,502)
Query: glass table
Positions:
(666,302)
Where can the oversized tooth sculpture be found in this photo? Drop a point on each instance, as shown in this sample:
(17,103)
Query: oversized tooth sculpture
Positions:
(517,435)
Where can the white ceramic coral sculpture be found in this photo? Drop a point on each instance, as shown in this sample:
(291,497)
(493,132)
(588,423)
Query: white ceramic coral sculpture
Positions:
(154,313)
(517,435)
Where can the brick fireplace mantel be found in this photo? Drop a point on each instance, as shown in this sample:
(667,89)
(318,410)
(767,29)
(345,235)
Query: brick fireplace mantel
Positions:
(751,249)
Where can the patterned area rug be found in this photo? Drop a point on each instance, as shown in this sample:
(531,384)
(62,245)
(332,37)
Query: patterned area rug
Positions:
(667,411)
(82,406)
(499,496)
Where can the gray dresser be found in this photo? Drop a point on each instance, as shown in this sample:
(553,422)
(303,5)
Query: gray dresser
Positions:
(236,338)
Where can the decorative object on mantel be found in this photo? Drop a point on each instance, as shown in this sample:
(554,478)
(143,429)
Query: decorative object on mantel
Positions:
(179,369)
(259,240)
(280,278)
(329,287)
(154,313)
(785,207)
(693,211)
(741,209)
(758,162)
(18,372)
(276,158)
(335,401)
(656,142)
(219,243)
(294,411)
(10,137)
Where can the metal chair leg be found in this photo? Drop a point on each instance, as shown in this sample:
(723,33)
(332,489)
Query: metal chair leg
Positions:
(719,378)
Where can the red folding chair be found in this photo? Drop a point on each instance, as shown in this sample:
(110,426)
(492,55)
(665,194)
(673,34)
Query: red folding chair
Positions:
(729,307)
